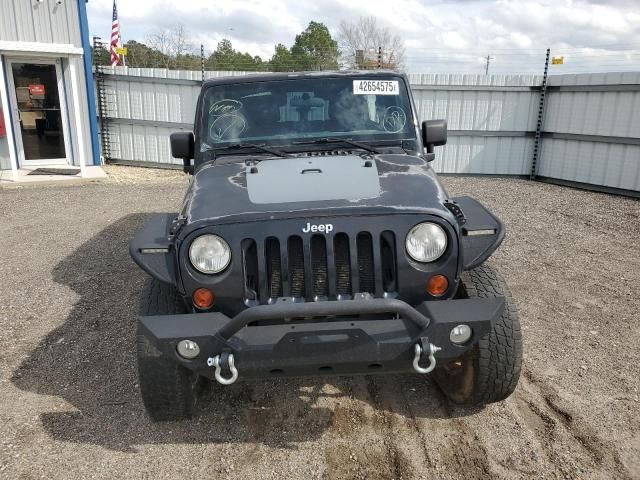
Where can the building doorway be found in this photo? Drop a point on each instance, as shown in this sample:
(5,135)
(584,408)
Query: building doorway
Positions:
(36,91)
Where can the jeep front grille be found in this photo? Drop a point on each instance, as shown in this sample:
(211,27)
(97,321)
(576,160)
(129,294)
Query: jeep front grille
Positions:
(319,267)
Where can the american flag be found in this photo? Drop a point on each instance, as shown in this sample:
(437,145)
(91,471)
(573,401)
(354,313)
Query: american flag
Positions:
(115,37)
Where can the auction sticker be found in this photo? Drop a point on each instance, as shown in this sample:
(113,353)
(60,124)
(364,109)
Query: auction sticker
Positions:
(376,87)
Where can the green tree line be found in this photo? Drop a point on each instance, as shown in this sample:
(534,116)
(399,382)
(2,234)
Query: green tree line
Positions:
(313,49)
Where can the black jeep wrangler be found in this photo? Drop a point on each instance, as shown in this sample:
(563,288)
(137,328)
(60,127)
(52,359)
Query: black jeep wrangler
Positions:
(316,239)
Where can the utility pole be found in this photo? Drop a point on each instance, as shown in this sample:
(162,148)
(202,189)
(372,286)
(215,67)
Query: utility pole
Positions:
(379,58)
(486,70)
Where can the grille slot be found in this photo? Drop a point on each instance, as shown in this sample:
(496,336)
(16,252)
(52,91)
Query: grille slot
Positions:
(274,267)
(319,266)
(296,266)
(343,264)
(388,261)
(366,274)
(250,268)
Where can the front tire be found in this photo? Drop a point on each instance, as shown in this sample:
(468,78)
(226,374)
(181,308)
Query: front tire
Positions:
(490,371)
(169,390)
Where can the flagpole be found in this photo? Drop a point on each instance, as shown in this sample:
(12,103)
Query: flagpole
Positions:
(124,57)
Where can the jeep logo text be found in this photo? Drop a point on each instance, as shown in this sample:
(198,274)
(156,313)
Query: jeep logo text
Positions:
(327,228)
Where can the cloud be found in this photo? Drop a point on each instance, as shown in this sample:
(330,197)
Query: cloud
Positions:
(454,35)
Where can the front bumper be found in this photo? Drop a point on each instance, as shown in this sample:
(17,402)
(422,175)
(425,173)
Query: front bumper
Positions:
(345,337)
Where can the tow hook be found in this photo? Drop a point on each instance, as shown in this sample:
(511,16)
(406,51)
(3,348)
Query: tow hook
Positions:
(226,361)
(431,349)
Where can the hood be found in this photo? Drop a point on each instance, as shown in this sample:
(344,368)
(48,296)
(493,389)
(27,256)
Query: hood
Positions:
(312,186)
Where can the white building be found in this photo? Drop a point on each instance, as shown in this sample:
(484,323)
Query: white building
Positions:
(47,105)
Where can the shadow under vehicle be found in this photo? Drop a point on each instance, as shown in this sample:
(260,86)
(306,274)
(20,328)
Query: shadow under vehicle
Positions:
(89,362)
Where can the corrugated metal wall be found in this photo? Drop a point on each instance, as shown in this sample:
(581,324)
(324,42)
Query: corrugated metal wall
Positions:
(492,121)
(146,105)
(145,114)
(488,116)
(47,22)
(595,120)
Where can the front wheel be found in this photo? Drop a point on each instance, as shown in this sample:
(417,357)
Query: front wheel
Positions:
(490,371)
(169,390)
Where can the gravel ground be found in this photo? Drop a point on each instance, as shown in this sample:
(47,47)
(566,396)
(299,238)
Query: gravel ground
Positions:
(68,393)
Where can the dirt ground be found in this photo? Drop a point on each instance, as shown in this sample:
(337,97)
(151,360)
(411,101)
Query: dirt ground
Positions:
(69,405)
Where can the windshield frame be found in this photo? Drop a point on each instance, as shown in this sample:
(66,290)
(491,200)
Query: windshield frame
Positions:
(289,144)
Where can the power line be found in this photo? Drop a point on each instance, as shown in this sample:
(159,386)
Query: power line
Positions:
(612,46)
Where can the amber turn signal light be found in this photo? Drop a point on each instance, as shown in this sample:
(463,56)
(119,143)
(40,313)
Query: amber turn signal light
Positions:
(437,285)
(203,298)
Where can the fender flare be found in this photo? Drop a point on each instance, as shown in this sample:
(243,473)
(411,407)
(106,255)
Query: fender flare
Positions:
(480,235)
(153,250)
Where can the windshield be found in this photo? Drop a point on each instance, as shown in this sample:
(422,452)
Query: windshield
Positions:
(282,112)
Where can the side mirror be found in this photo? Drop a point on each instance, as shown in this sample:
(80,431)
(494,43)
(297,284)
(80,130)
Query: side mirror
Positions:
(434,134)
(183,146)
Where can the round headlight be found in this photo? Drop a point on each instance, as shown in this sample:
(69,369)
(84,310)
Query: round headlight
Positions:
(426,242)
(209,254)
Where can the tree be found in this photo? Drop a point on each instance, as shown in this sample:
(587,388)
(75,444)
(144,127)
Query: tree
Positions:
(189,61)
(315,49)
(138,55)
(171,43)
(142,56)
(226,58)
(367,36)
(282,61)
(101,55)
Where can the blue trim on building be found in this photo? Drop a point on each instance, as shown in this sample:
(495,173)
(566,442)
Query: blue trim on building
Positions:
(88,77)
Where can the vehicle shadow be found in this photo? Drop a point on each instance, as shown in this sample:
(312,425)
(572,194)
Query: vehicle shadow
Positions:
(89,362)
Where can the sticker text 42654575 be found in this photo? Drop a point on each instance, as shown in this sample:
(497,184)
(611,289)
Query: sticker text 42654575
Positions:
(376,87)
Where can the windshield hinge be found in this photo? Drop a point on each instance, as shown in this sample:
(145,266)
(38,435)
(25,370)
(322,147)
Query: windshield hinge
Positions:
(457,212)
(176,225)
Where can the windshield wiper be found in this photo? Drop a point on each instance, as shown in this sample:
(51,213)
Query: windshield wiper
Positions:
(329,140)
(254,146)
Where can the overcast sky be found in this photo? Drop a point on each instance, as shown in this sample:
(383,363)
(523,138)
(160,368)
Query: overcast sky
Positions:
(439,35)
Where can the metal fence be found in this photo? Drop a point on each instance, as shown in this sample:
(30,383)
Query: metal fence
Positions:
(592,125)
(588,125)
(491,120)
